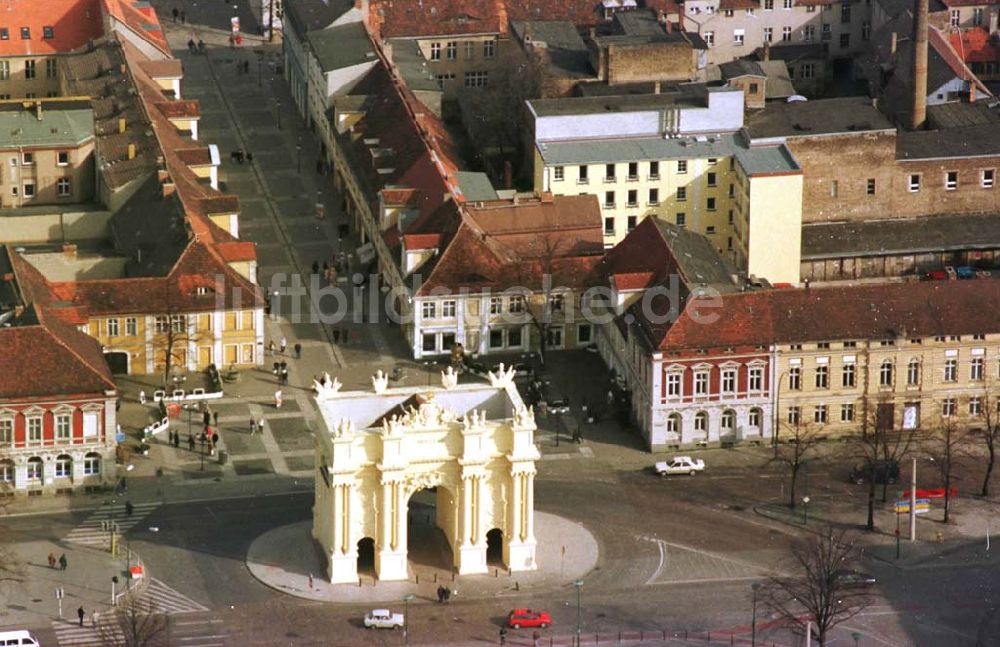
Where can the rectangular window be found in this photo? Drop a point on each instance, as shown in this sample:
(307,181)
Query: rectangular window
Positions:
(845,13)
(822,377)
(710,230)
(609,199)
(583,174)
(682,167)
(27,159)
(496,305)
(701,383)
(63,426)
(428,310)
(948,407)
(428,343)
(448,308)
(951,180)
(29,190)
(739,35)
(819,414)
(609,226)
(866,30)
(63,188)
(91,465)
(795,378)
(4,70)
(435,51)
(768,5)
(728,13)
(987,178)
(955,17)
(131,327)
(451,50)
(709,38)
(729,381)
(976,369)
(515,304)
(794,415)
(950,370)
(871,186)
(35,430)
(786,4)
(633,171)
(29,69)
(558,173)
(112,327)
(710,204)
(673,384)
(477,79)
(50,68)
(847,413)
(712,179)
(25,33)
(62,158)
(631,222)
(489,48)
(825,32)
(914,184)
(808,70)
(4,33)
(808,32)
(48,33)
(470,49)
(847,376)
(609,172)
(654,197)
(755,379)
(6,432)
(584,334)
(633,198)
(768,34)
(513,338)
(786,34)
(681,219)
(443,78)
(913,373)
(654,170)
(975,406)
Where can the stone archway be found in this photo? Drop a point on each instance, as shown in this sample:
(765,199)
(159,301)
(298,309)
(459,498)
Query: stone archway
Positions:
(494,548)
(472,444)
(366,556)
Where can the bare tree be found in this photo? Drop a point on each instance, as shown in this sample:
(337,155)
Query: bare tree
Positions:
(816,588)
(171,338)
(881,442)
(946,448)
(990,435)
(134,623)
(540,260)
(794,453)
(11,566)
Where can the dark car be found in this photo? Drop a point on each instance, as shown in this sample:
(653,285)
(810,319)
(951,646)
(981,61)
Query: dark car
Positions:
(522,372)
(858,579)
(881,471)
(545,392)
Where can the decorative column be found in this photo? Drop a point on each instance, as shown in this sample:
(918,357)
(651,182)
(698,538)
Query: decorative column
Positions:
(519,549)
(471,556)
(390,560)
(343,551)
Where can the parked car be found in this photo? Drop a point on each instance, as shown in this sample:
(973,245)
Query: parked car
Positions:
(383,619)
(965,272)
(935,275)
(855,578)
(546,392)
(528,618)
(882,471)
(679,465)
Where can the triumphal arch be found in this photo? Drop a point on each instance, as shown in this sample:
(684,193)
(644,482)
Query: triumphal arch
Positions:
(471,445)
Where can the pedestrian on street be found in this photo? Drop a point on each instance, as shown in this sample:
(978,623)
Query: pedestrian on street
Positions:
(284,345)
(503,635)
(52,560)
(447,594)
(190,442)
(215,439)
(298,350)
(142,397)
(191,46)
(206,418)
(184,18)
(215,418)
(249,155)
(81,613)
(129,508)
(336,335)
(535,637)
(260,426)
(177,439)
(315,267)
(94,618)
(246,70)
(253,426)
(270,347)
(175,13)
(63,562)
(440,593)
(277,399)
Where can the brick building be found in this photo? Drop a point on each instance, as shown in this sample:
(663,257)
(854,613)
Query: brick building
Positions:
(58,419)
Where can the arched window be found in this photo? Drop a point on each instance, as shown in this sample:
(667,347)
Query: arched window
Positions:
(64,466)
(92,464)
(754,419)
(885,374)
(701,422)
(728,421)
(34,468)
(7,471)
(674,423)
(913,372)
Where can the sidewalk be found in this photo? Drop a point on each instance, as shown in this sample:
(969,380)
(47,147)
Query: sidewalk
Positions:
(86,582)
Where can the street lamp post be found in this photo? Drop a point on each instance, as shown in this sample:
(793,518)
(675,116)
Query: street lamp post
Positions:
(406,617)
(753,620)
(579,585)
(777,413)
(806,499)
(298,156)
(278,113)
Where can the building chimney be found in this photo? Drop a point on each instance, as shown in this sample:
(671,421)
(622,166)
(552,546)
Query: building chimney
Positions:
(918,111)
(121,125)
(131,151)
(893,43)
(38,110)
(972,90)
(69,251)
(656,87)
(593,33)
(767,51)
(508,175)
(169,188)
(667,25)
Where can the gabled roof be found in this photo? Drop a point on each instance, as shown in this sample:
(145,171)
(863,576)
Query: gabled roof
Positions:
(72,24)
(975,45)
(139,17)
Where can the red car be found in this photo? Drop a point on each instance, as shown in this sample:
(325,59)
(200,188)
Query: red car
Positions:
(528,618)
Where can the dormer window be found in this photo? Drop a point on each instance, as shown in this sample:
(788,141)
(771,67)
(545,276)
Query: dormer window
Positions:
(48,33)
(25,33)
(203,290)
(4,33)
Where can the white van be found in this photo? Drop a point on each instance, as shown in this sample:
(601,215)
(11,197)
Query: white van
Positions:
(20,638)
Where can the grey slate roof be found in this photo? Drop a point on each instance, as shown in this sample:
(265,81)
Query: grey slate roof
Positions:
(59,126)
(476,187)
(342,46)
(700,262)
(966,141)
(306,15)
(740,67)
(561,42)
(821,117)
(690,94)
(412,66)
(960,113)
(903,236)
(755,160)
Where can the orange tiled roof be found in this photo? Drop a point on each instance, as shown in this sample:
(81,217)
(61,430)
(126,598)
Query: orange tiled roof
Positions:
(143,23)
(975,45)
(73,23)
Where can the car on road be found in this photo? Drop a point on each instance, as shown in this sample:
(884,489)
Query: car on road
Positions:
(881,471)
(679,465)
(858,579)
(522,372)
(383,619)
(528,618)
(544,392)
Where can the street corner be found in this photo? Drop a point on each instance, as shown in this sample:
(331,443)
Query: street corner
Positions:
(287,559)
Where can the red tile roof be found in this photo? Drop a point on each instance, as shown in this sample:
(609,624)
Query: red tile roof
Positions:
(146,24)
(194,156)
(975,45)
(73,23)
(969,3)
(421,241)
(178,109)
(633,280)
(952,59)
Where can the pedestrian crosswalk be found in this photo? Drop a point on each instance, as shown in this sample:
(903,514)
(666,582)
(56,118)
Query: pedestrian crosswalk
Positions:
(72,634)
(160,598)
(92,531)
